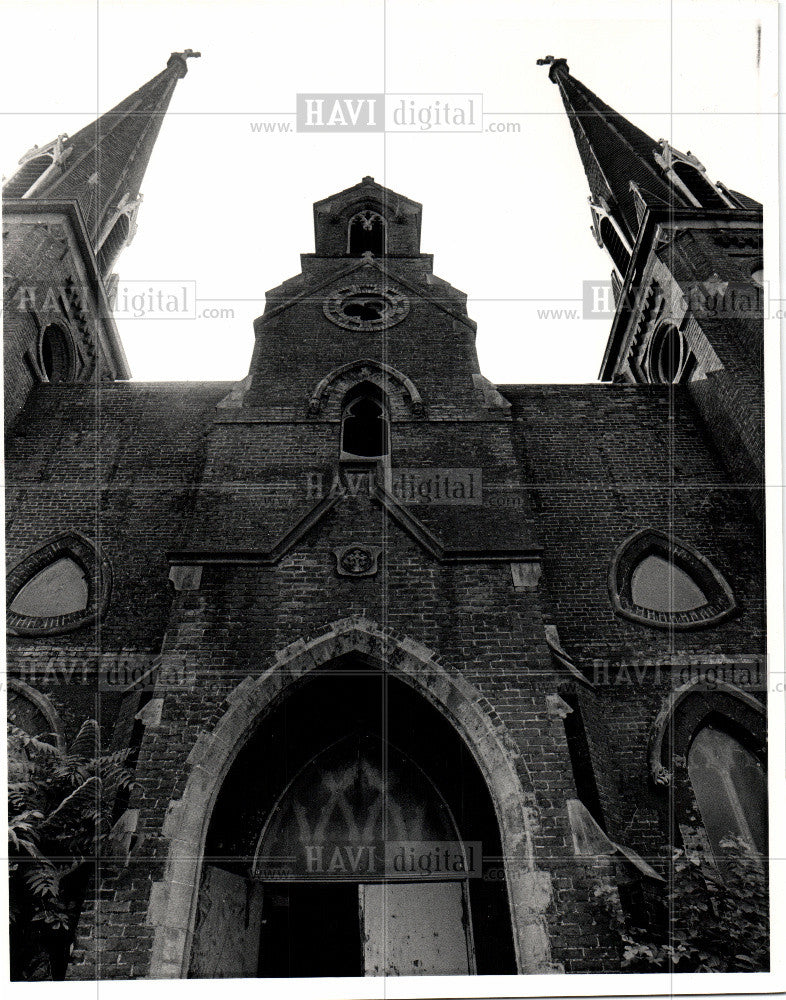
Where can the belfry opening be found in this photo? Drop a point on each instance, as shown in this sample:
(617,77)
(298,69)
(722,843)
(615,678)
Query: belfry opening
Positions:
(354,835)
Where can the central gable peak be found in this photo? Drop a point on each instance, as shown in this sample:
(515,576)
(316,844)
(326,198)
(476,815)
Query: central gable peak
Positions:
(367,219)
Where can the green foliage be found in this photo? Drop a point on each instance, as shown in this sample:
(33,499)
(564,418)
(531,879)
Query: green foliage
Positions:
(60,803)
(710,921)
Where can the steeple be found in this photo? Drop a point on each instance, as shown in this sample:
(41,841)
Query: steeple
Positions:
(102,166)
(628,171)
(687,284)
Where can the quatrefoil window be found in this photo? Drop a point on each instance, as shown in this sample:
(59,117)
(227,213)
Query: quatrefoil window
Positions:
(366,306)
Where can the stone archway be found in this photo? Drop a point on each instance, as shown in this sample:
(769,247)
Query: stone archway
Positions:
(173,900)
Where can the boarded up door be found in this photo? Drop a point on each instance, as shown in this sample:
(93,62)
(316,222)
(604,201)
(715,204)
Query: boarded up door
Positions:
(229,922)
(415,928)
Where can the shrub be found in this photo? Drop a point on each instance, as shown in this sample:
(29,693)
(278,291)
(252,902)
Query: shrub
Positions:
(60,803)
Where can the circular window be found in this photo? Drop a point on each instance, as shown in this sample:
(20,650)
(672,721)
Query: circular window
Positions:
(667,354)
(367,306)
(57,353)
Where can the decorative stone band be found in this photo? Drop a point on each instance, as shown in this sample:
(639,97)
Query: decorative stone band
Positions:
(399,513)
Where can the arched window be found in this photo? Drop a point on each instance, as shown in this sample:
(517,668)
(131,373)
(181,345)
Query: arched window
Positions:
(364,423)
(612,241)
(659,581)
(113,244)
(698,185)
(730,785)
(366,234)
(57,354)
(60,586)
(33,712)
(27,175)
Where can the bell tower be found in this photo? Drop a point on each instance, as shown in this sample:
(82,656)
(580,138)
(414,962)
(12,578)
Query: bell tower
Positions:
(687,273)
(366,301)
(68,212)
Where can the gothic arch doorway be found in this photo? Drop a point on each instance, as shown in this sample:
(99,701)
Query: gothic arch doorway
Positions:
(348,839)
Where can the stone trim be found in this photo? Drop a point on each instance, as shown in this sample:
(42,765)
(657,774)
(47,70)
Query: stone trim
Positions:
(659,773)
(366,369)
(44,706)
(98,571)
(173,900)
(399,514)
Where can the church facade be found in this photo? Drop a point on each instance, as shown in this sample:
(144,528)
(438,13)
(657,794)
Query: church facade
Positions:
(411,665)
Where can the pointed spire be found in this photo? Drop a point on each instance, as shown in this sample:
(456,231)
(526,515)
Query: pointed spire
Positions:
(102,165)
(613,151)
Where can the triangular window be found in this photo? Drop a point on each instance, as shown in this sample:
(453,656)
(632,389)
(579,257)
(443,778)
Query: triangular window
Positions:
(662,586)
(657,580)
(58,587)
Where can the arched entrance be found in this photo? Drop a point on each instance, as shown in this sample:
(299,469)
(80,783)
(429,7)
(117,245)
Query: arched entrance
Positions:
(348,839)
(172,909)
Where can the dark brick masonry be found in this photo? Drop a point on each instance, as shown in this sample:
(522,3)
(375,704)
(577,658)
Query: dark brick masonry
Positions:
(212,504)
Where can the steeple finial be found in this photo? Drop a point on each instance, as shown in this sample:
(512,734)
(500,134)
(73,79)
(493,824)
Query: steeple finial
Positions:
(556,66)
(178,59)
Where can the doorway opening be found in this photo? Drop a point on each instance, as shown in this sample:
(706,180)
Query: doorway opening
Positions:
(354,835)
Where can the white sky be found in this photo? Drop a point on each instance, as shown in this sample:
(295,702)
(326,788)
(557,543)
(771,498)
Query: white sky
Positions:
(506,216)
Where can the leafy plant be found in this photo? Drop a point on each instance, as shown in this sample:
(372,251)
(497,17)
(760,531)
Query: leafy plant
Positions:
(60,802)
(706,921)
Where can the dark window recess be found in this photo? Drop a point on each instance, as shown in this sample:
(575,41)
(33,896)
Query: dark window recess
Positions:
(364,427)
(56,354)
(581,761)
(613,243)
(366,308)
(689,368)
(367,234)
(311,930)
(698,185)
